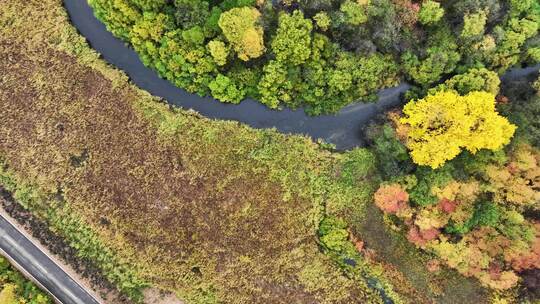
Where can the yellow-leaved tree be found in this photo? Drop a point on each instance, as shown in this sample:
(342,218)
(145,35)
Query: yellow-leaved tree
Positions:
(241,26)
(440,125)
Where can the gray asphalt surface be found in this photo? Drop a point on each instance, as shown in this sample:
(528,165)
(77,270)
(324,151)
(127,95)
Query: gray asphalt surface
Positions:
(19,249)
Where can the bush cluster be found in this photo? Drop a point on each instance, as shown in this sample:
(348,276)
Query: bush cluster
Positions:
(16,289)
(476,211)
(320,54)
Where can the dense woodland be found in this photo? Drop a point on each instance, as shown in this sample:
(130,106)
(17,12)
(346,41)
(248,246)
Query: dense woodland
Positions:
(321,54)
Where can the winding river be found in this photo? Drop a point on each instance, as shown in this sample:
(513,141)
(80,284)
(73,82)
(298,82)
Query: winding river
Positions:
(342,129)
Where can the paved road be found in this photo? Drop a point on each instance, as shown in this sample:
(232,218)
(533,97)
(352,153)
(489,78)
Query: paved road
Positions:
(37,265)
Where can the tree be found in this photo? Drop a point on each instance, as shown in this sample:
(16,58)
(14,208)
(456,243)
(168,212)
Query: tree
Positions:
(224,89)
(440,56)
(275,85)
(190,13)
(441,125)
(242,29)
(150,5)
(518,7)
(355,13)
(461,8)
(146,35)
(194,35)
(474,24)
(292,43)
(119,15)
(480,79)
(533,54)
(322,20)
(509,41)
(391,198)
(8,295)
(430,12)
(219,51)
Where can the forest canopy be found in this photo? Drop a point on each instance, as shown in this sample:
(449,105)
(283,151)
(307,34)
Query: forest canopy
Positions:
(321,54)
(461,178)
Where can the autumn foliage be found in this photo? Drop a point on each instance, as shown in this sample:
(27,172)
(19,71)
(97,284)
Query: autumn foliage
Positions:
(242,29)
(391,198)
(441,125)
(475,218)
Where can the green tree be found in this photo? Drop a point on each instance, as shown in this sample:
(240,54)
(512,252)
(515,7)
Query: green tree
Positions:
(292,43)
(509,41)
(219,51)
(322,20)
(119,16)
(518,7)
(190,13)
(275,85)
(480,79)
(150,5)
(430,12)
(533,54)
(147,33)
(439,57)
(194,35)
(224,89)
(355,13)
(241,26)
(8,295)
(474,25)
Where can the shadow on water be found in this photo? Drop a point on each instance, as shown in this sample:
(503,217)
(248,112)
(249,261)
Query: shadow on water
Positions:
(342,129)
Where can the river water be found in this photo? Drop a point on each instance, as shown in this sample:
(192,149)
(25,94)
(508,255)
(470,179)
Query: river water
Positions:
(343,129)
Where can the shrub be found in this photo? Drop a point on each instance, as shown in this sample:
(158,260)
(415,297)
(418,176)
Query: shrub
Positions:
(333,234)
